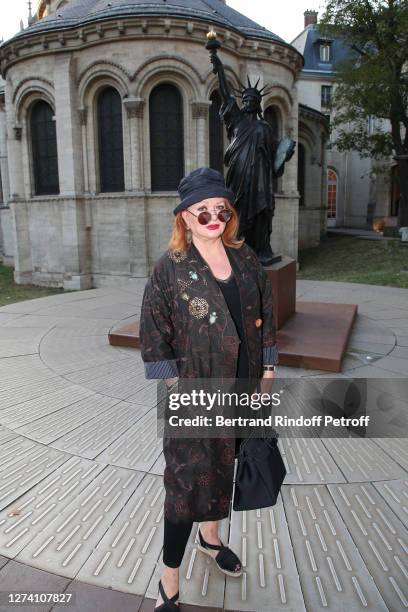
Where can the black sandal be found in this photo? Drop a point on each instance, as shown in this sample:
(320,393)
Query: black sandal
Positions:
(226,559)
(168,604)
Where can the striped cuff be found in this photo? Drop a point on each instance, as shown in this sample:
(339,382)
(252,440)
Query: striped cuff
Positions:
(270,355)
(161,369)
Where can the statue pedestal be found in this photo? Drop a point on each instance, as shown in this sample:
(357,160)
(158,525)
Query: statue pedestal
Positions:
(283,278)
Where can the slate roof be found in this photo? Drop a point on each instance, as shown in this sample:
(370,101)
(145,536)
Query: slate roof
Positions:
(83,12)
(311,52)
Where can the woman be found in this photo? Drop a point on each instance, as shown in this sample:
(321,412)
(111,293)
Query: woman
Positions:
(206,313)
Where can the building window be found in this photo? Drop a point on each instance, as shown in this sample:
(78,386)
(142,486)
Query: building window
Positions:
(44,149)
(110,133)
(166,137)
(216,133)
(271,116)
(331,194)
(326,95)
(325,53)
(301,174)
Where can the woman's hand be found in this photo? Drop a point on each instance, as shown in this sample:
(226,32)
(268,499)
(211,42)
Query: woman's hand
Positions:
(171,381)
(266,381)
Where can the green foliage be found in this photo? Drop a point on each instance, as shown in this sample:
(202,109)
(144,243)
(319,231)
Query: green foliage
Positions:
(374,80)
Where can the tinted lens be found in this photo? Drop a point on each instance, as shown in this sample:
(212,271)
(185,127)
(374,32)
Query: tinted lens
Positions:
(225,215)
(204,218)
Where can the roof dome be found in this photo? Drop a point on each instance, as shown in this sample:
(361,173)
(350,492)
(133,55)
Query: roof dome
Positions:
(82,12)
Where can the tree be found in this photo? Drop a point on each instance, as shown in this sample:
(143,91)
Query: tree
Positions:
(373,81)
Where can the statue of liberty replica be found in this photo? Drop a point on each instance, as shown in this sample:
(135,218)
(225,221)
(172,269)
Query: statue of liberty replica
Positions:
(253,158)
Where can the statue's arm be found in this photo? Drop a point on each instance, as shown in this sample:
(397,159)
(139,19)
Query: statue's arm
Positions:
(225,90)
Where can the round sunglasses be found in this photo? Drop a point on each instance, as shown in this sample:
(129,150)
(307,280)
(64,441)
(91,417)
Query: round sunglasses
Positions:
(205,217)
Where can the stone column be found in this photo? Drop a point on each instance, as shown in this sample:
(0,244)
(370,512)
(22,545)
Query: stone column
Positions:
(200,110)
(68,129)
(4,170)
(74,218)
(134,109)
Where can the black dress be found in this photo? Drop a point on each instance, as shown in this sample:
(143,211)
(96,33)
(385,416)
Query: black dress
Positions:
(230,292)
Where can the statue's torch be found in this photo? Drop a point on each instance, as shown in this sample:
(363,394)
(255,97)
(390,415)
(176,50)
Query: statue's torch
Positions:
(212,45)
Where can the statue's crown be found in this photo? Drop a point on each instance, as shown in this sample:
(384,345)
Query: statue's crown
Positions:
(252,90)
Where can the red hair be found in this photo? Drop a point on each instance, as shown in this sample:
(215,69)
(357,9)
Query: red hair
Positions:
(178,240)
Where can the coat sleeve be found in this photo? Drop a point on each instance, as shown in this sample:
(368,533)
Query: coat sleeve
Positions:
(156,330)
(270,353)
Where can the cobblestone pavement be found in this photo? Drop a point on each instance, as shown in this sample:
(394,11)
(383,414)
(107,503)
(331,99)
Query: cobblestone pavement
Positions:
(81,492)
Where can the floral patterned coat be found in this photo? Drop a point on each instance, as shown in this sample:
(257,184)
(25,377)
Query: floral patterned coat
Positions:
(186,330)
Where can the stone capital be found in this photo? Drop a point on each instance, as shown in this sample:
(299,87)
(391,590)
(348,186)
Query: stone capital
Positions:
(200,109)
(134,106)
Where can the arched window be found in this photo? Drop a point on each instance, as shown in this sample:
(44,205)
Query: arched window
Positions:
(216,133)
(331,194)
(44,149)
(166,137)
(301,173)
(110,136)
(271,116)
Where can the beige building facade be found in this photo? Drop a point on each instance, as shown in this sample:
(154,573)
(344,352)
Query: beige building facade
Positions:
(80,234)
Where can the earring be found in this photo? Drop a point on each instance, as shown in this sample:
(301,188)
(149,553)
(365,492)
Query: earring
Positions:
(189,235)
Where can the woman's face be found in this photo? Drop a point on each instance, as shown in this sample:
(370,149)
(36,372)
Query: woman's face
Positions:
(214,227)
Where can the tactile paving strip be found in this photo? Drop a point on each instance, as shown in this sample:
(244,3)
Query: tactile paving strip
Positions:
(126,556)
(381,538)
(52,426)
(395,493)
(138,448)
(307,460)
(270,578)
(19,415)
(361,459)
(22,465)
(397,448)
(63,546)
(26,392)
(40,506)
(92,438)
(332,573)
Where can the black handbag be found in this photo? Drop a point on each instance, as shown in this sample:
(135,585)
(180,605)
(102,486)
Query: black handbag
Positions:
(260,474)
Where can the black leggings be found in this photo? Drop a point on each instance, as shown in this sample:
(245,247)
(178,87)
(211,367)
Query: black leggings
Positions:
(175,542)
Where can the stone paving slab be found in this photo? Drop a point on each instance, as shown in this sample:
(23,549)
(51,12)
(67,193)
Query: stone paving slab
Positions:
(90,598)
(65,545)
(381,538)
(93,437)
(28,516)
(23,464)
(138,448)
(363,460)
(270,579)
(52,426)
(28,391)
(125,558)
(332,573)
(46,405)
(307,460)
(395,493)
(397,448)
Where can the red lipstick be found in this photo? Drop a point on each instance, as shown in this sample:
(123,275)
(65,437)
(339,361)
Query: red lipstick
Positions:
(214,226)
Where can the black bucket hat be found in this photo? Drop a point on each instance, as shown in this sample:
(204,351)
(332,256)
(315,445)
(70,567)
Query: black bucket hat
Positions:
(201,184)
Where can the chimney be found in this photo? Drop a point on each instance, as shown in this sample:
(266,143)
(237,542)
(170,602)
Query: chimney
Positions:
(310,18)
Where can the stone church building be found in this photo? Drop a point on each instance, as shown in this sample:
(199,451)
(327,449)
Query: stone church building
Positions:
(105,106)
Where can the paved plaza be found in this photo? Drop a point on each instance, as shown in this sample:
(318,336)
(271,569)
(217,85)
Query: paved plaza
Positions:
(81,492)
